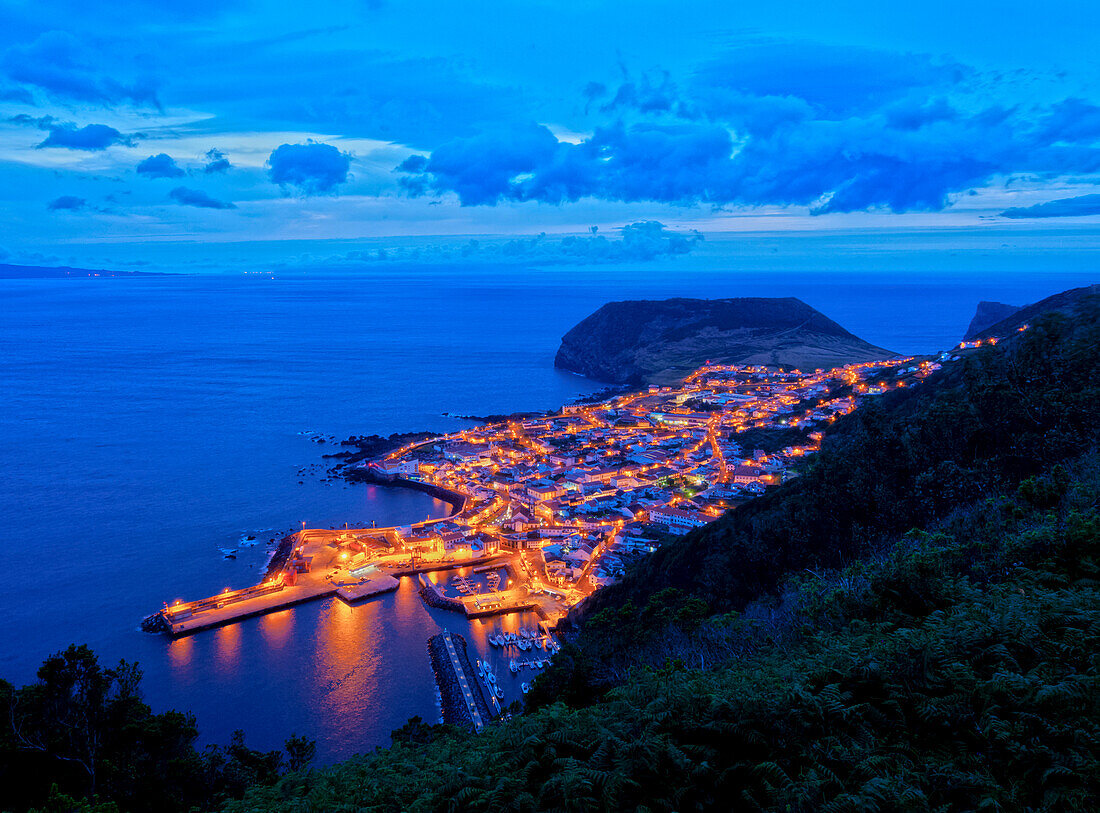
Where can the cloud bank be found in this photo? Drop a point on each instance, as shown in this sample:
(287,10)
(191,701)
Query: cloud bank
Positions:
(834,129)
(638,242)
(1063,207)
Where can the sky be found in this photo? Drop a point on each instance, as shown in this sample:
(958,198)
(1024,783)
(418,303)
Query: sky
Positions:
(379,131)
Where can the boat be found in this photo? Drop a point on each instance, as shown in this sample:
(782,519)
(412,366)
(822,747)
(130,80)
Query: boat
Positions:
(526,687)
(513,666)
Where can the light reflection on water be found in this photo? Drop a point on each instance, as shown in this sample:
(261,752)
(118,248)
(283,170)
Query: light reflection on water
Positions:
(345,675)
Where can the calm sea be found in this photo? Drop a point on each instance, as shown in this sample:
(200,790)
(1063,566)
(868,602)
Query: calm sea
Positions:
(148,424)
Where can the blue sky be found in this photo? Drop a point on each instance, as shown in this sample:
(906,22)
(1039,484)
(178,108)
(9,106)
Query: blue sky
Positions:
(370,125)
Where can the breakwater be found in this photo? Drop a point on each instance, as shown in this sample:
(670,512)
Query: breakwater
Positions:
(463,704)
(368,474)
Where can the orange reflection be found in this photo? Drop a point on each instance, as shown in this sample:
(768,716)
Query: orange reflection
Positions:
(228,642)
(406,597)
(180,652)
(276,627)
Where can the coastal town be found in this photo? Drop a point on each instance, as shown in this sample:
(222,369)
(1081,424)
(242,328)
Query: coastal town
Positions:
(548,508)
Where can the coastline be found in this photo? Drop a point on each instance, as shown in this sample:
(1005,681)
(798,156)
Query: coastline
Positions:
(372,476)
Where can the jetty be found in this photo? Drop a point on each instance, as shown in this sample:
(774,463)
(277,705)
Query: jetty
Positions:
(463,703)
(349,565)
(352,564)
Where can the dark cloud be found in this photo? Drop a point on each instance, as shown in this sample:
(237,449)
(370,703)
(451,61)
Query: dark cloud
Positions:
(912,114)
(160,165)
(835,80)
(311,168)
(88,137)
(1072,121)
(1063,207)
(196,197)
(69,203)
(216,162)
(354,91)
(63,67)
(754,129)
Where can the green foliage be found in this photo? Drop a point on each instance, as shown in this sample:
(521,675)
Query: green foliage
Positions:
(80,738)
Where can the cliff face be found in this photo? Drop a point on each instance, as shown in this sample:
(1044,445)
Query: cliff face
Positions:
(660,341)
(1067,302)
(987,315)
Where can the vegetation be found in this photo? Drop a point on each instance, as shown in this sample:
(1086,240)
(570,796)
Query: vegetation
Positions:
(912,624)
(81,738)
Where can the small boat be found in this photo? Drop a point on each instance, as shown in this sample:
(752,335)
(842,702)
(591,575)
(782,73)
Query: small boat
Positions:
(513,666)
(524,645)
(489,676)
(526,687)
(500,693)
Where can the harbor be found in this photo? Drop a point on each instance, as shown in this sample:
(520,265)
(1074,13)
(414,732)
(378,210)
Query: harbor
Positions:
(354,565)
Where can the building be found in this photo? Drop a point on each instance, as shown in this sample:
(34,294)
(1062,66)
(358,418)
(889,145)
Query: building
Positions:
(678,520)
(743,474)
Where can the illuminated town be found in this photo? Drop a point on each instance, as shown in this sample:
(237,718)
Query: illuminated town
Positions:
(548,509)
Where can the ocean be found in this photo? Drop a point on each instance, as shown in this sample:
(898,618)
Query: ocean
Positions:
(149,424)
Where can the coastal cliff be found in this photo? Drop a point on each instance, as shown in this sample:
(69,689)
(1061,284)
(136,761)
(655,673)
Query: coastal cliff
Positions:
(658,341)
(986,315)
(1068,303)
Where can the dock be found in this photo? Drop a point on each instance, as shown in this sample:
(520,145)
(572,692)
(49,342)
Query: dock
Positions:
(462,700)
(352,565)
(233,606)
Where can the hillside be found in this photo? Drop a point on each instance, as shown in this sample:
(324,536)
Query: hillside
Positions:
(986,315)
(1067,302)
(650,341)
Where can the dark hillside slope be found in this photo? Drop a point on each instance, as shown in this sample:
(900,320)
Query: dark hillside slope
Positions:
(660,341)
(1066,302)
(986,315)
